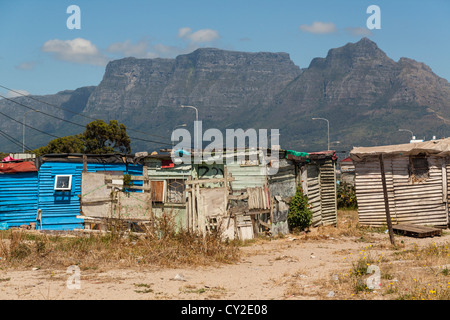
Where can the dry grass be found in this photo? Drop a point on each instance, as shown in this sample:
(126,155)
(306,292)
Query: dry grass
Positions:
(347,227)
(407,271)
(160,245)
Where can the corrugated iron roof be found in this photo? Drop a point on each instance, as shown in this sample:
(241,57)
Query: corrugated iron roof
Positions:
(437,147)
(16,167)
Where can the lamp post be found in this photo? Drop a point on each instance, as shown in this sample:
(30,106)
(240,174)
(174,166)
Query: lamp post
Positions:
(23,129)
(328,126)
(196,111)
(197,135)
(412,134)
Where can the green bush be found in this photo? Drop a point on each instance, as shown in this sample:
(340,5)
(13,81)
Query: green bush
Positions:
(300,214)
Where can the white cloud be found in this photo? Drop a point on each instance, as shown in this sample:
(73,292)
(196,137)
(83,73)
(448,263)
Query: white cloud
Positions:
(15,93)
(128,49)
(199,36)
(183,32)
(144,49)
(27,65)
(78,50)
(359,31)
(83,51)
(319,27)
(166,51)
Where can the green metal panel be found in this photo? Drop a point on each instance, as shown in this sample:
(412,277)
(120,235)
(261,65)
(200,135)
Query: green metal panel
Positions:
(246,176)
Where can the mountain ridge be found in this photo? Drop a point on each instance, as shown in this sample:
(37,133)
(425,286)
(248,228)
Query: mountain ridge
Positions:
(366,95)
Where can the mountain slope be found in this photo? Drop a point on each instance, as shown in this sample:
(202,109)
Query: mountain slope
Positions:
(365,95)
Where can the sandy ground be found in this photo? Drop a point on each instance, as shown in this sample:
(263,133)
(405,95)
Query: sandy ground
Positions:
(282,269)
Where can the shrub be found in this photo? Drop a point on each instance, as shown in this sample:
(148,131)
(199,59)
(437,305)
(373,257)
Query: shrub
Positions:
(300,214)
(346,196)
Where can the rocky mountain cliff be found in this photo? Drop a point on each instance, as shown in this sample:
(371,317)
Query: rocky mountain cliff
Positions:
(367,97)
(364,94)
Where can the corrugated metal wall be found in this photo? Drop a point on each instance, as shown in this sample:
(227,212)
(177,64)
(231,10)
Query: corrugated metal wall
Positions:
(319,184)
(284,182)
(18,198)
(420,203)
(60,208)
(246,176)
(328,192)
(312,190)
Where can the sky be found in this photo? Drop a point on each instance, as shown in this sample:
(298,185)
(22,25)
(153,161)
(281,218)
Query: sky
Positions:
(42,50)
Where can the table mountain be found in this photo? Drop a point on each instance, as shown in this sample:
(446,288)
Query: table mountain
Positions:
(365,95)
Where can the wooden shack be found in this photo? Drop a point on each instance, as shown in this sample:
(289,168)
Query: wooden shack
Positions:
(241,196)
(417,185)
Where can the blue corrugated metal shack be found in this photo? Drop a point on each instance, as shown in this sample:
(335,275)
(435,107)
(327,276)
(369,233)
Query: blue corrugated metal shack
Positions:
(18,193)
(59,184)
(47,192)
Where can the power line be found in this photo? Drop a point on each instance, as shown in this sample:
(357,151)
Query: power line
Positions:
(47,114)
(68,121)
(13,140)
(28,126)
(68,110)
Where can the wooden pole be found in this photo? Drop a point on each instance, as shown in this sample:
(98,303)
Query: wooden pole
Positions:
(84,163)
(386,201)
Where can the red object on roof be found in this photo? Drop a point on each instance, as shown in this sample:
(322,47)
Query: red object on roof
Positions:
(9,158)
(167,164)
(16,167)
(347,160)
(328,153)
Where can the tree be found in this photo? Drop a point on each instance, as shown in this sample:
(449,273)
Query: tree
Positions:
(69,144)
(98,138)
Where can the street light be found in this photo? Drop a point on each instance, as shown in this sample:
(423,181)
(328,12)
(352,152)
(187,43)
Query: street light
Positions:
(197,129)
(412,134)
(23,129)
(196,111)
(328,126)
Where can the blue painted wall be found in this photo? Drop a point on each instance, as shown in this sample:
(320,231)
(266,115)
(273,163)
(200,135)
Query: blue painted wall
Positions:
(18,198)
(60,208)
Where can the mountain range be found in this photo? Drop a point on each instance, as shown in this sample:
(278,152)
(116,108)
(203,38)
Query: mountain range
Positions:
(366,96)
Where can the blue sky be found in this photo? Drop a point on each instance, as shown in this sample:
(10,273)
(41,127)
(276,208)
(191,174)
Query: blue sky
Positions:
(40,55)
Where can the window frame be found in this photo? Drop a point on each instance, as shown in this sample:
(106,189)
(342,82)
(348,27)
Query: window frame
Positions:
(412,168)
(181,181)
(68,188)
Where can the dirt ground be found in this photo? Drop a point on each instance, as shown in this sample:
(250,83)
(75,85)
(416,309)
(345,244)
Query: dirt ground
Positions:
(292,267)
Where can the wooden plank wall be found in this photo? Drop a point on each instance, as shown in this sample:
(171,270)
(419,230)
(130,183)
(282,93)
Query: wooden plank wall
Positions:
(422,203)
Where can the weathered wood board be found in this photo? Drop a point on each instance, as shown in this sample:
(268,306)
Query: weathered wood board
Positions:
(416,231)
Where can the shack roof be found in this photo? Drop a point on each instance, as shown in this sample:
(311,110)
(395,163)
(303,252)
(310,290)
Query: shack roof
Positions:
(440,148)
(313,156)
(17,167)
(91,158)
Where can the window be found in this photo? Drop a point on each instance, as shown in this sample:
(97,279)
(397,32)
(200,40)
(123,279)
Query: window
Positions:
(175,191)
(418,169)
(63,183)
